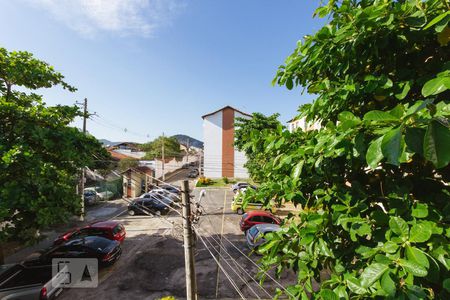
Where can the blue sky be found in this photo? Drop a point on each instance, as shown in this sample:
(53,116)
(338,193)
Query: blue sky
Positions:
(154,66)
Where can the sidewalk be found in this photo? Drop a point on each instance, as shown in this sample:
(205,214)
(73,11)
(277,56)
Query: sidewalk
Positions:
(102,211)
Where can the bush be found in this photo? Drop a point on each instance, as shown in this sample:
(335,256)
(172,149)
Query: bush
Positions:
(203,181)
(225,180)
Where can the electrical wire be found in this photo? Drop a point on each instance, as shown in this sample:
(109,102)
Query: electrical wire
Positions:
(219,265)
(234,261)
(234,271)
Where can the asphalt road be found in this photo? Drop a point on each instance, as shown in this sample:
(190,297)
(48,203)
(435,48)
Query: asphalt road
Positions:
(152,262)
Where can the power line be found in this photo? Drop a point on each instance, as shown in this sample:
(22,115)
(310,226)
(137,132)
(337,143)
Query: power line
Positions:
(234,271)
(220,244)
(234,261)
(219,265)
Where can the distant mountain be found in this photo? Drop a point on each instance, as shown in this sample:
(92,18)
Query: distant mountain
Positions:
(187,140)
(107,142)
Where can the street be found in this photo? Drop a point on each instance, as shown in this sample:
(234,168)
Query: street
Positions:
(152,262)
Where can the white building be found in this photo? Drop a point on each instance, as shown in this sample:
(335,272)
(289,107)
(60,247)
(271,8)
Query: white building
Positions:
(295,123)
(221,159)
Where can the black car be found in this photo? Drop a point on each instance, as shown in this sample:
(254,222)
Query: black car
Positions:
(106,251)
(147,206)
(171,188)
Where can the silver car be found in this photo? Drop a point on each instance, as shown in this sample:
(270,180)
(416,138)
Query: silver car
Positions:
(255,235)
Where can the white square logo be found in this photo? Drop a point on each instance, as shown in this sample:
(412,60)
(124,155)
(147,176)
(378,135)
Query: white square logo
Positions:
(75,272)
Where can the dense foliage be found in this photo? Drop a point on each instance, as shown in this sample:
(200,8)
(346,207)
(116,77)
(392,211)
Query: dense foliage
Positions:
(40,154)
(153,149)
(372,183)
(258,124)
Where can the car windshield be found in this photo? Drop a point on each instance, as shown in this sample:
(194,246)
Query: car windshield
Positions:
(253,231)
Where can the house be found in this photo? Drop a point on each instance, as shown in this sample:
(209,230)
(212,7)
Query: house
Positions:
(296,123)
(221,158)
(137,181)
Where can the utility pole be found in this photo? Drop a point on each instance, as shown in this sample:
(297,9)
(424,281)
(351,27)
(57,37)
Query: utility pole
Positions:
(83,169)
(163,160)
(191,282)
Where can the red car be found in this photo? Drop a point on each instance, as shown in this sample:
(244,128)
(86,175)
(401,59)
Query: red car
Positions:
(257,217)
(111,230)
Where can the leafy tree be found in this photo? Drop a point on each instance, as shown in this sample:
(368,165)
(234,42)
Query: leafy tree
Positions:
(154,148)
(244,127)
(40,154)
(127,163)
(372,184)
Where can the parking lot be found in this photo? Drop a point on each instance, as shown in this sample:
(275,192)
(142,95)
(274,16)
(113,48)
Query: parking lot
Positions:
(152,262)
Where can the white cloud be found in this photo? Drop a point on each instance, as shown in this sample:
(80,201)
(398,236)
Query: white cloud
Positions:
(124,17)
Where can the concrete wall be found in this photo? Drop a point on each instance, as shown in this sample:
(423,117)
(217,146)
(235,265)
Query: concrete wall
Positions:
(212,135)
(172,165)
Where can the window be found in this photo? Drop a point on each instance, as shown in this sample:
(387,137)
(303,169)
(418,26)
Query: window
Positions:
(117,229)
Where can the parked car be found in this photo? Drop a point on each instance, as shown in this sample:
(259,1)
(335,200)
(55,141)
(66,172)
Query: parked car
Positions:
(112,230)
(150,205)
(18,282)
(102,194)
(193,173)
(255,235)
(168,200)
(237,205)
(255,217)
(171,188)
(241,185)
(166,194)
(106,251)
(90,197)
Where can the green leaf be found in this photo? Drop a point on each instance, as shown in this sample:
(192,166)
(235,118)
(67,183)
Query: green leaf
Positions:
(372,273)
(446,284)
(324,249)
(355,286)
(402,94)
(420,232)
(398,226)
(391,146)
(420,210)
(390,247)
(415,292)
(436,145)
(438,19)
(374,154)
(435,86)
(328,294)
(297,171)
(414,139)
(417,255)
(413,268)
(378,115)
(387,284)
(289,84)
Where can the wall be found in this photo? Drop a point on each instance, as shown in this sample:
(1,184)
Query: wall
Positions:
(212,135)
(172,165)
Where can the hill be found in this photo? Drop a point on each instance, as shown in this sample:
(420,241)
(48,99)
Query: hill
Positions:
(187,140)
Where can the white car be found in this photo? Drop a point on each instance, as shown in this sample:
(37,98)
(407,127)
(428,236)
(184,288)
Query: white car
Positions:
(101,193)
(164,194)
(241,185)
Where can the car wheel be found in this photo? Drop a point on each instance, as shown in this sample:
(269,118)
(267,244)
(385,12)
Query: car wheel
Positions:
(240,211)
(131,212)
